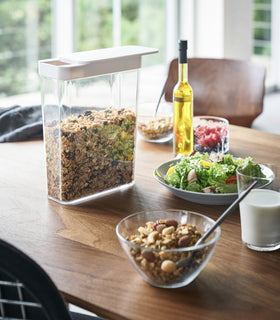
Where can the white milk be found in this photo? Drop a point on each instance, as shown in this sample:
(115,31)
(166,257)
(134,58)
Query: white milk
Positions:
(260,218)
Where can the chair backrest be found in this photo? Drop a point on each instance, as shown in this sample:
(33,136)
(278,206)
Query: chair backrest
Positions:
(26,291)
(233,89)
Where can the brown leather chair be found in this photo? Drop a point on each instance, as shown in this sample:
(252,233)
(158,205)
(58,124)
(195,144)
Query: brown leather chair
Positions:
(233,89)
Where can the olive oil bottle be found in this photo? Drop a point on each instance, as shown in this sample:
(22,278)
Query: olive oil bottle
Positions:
(183,107)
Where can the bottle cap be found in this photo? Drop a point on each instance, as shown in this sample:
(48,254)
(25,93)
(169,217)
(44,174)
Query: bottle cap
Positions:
(183,47)
(183,44)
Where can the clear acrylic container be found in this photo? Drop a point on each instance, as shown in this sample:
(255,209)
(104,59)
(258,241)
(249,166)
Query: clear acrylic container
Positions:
(89,104)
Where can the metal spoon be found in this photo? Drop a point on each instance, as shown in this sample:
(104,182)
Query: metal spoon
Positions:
(185,261)
(161,94)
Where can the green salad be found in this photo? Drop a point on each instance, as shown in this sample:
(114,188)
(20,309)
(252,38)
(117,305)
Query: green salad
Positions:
(214,173)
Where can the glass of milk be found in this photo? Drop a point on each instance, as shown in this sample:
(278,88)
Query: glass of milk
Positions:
(260,210)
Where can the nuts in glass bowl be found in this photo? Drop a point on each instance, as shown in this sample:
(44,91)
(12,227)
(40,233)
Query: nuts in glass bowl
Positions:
(157,242)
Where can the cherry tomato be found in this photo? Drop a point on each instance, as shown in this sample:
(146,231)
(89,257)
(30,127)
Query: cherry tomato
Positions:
(231,179)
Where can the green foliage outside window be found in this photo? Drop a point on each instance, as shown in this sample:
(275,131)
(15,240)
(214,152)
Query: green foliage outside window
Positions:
(142,23)
(262,27)
(25,36)
(94,24)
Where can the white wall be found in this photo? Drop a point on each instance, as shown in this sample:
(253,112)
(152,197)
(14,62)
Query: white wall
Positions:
(186,23)
(208,28)
(238,24)
(217,28)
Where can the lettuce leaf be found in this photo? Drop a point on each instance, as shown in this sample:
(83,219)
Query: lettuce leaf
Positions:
(222,187)
(250,168)
(173,179)
(194,186)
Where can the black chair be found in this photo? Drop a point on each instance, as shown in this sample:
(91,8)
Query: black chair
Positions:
(27,292)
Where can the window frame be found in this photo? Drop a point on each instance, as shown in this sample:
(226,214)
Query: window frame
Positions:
(63,29)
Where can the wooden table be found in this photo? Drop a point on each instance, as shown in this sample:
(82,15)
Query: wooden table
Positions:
(78,246)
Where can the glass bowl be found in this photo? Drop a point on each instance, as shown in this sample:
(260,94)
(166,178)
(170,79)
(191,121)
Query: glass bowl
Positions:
(211,134)
(159,128)
(158,262)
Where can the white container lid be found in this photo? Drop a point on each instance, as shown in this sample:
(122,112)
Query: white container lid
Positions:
(93,63)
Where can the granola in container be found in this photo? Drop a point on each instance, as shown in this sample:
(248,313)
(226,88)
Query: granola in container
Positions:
(89,108)
(90,153)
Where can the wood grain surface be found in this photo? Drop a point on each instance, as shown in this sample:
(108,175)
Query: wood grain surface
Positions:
(233,89)
(78,246)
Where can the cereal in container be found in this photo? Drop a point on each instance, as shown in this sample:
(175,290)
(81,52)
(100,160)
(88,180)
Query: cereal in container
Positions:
(89,105)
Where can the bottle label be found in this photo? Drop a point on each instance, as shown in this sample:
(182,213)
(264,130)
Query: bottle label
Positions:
(184,99)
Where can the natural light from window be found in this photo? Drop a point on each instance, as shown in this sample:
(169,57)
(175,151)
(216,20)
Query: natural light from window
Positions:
(41,29)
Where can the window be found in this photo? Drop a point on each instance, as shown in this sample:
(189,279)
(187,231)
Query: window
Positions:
(25,37)
(40,29)
(94,24)
(262,28)
(110,23)
(31,30)
(266,32)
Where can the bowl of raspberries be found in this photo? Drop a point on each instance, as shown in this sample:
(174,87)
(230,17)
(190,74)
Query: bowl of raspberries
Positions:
(211,134)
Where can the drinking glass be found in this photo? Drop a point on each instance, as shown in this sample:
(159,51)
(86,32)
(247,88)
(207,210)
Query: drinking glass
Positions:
(260,209)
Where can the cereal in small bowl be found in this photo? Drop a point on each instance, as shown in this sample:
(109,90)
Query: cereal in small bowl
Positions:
(158,242)
(155,128)
(158,129)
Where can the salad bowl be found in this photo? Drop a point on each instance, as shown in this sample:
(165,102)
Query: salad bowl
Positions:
(198,197)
